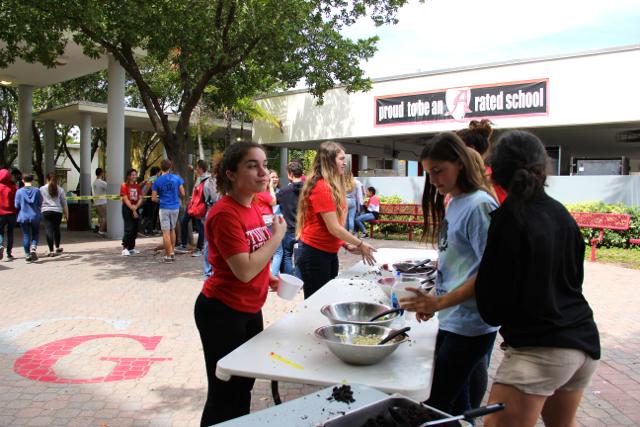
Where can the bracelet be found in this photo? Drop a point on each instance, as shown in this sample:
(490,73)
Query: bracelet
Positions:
(360,244)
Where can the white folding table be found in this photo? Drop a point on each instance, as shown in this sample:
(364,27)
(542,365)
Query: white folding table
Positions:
(289,351)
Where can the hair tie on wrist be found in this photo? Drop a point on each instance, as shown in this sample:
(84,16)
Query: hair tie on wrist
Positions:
(360,244)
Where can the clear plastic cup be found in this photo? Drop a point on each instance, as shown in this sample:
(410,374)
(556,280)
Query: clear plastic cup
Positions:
(289,286)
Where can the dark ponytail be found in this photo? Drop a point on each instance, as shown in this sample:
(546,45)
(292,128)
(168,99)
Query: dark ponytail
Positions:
(519,163)
(52,185)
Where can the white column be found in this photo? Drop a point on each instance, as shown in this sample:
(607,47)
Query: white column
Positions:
(395,165)
(284,162)
(115,147)
(49,146)
(127,150)
(363,162)
(25,137)
(85,154)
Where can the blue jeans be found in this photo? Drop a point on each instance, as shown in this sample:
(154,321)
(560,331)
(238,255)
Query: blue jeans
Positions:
(208,270)
(455,359)
(276,260)
(287,252)
(30,234)
(8,221)
(184,230)
(351,214)
(360,221)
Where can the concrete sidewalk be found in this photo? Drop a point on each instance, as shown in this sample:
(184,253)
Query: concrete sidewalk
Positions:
(92,338)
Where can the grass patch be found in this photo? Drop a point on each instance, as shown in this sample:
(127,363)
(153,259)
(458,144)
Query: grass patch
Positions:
(628,258)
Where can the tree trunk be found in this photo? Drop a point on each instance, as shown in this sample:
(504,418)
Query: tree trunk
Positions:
(227,134)
(37,159)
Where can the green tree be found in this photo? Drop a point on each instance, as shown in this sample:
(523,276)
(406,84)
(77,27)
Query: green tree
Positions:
(8,128)
(249,46)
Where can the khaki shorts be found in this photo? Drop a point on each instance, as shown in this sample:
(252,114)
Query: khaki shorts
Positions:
(168,219)
(543,370)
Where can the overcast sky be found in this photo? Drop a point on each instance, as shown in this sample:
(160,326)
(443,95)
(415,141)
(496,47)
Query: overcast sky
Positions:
(441,34)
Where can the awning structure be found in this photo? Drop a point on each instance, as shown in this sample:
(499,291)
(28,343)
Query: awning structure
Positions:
(584,104)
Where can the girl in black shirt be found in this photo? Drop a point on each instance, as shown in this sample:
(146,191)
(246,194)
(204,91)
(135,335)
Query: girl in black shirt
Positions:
(530,283)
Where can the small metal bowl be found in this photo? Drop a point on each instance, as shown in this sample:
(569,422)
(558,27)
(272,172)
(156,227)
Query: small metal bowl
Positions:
(357,313)
(339,339)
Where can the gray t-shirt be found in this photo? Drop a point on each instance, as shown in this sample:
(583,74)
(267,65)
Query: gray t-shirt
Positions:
(460,247)
(52,204)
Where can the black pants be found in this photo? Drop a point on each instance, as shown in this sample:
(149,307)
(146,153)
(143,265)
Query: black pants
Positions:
(455,359)
(52,222)
(150,216)
(222,330)
(130,228)
(316,268)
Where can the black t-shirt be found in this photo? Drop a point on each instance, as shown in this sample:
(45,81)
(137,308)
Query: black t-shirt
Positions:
(530,278)
(288,200)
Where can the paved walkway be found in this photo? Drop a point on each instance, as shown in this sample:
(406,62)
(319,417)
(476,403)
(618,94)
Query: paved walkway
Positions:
(92,338)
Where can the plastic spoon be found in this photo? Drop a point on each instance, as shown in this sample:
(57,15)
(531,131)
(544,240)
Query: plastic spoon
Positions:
(392,335)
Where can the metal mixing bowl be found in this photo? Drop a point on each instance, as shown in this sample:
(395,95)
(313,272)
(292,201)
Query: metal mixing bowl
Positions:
(339,339)
(357,313)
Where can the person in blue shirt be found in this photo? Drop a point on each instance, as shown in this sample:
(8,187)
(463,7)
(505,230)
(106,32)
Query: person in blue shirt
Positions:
(28,202)
(167,190)
(459,228)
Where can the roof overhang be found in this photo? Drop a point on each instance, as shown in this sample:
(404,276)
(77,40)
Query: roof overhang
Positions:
(134,118)
(71,64)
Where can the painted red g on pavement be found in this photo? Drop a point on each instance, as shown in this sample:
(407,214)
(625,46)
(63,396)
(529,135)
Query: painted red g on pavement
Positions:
(37,364)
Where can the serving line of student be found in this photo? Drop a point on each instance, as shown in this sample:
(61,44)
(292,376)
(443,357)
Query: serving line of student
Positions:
(518,267)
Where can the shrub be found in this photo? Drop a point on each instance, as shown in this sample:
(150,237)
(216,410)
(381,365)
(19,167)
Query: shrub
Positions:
(612,238)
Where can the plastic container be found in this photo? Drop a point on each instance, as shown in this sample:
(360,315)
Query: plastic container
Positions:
(399,289)
(289,286)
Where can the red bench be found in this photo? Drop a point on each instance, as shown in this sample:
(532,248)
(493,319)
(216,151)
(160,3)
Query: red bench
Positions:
(390,212)
(602,221)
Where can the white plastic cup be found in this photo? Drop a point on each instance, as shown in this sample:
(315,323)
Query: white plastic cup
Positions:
(400,288)
(289,286)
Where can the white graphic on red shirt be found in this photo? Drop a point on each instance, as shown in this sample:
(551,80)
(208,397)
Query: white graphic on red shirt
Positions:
(257,237)
(133,194)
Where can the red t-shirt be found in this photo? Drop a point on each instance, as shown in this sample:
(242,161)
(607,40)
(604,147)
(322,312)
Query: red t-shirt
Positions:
(315,232)
(263,201)
(132,191)
(232,229)
(501,193)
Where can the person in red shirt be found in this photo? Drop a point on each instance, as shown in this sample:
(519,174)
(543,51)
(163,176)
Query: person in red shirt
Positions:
(228,310)
(8,212)
(322,211)
(131,196)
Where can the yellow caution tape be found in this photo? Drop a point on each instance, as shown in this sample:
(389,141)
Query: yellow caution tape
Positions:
(106,196)
(283,360)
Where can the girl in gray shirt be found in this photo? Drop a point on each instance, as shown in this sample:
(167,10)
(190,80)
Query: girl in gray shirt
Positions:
(54,204)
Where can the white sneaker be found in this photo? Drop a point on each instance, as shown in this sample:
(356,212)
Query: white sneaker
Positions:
(180,250)
(134,251)
(102,234)
(126,252)
(197,252)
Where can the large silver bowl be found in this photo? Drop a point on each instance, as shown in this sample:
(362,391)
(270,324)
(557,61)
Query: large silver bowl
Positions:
(339,339)
(357,313)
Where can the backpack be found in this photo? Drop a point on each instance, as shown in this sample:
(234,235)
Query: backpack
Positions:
(197,207)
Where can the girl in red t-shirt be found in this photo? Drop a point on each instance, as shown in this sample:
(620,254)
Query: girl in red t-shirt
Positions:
(131,196)
(322,211)
(228,311)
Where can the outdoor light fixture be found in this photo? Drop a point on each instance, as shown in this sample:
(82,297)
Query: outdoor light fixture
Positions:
(5,80)
(5,83)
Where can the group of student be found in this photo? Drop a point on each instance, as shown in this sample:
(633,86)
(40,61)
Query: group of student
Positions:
(165,189)
(23,204)
(510,259)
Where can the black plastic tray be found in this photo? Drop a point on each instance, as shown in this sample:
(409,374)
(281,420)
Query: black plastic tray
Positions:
(359,417)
